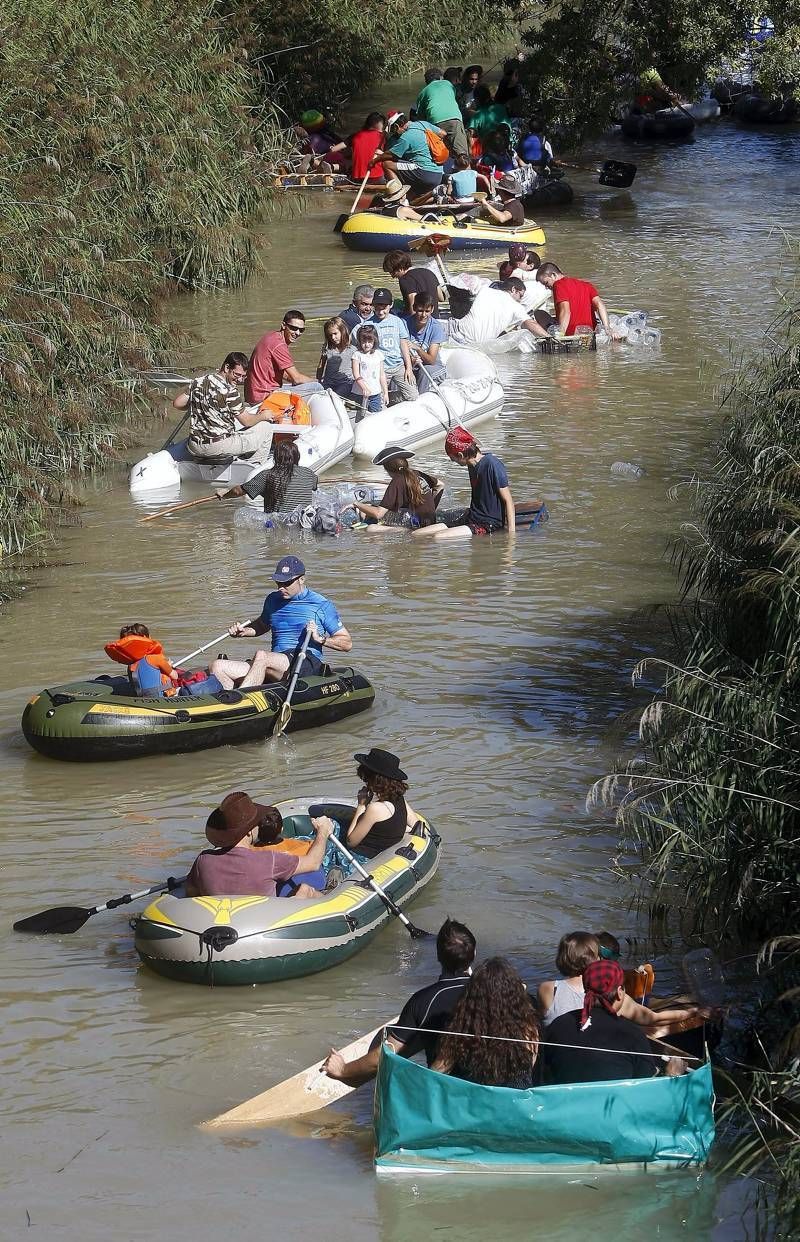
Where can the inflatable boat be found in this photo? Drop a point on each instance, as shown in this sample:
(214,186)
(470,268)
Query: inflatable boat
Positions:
(548,195)
(666,125)
(324,444)
(757,109)
(87,721)
(471,393)
(246,940)
(426,1122)
(368,230)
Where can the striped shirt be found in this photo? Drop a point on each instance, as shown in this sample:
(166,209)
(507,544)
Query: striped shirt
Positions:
(287,618)
(300,491)
(214,405)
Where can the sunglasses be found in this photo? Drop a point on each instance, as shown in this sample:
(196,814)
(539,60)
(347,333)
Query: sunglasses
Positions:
(291,582)
(293,327)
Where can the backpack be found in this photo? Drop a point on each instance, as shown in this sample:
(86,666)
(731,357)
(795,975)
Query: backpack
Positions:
(437,147)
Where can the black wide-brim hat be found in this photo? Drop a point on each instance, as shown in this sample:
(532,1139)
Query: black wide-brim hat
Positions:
(390,453)
(383,762)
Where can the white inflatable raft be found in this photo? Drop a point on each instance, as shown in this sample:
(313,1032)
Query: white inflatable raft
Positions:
(471,393)
(326,442)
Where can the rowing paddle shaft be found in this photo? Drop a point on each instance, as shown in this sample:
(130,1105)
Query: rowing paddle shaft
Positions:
(64,920)
(417,933)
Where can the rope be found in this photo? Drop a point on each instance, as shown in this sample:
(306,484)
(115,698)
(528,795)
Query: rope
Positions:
(507,1039)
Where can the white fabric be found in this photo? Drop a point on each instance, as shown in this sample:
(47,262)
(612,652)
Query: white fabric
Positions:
(492,313)
(369,366)
(535,294)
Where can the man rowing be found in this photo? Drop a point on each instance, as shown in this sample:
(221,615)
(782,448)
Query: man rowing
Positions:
(429,1009)
(285,615)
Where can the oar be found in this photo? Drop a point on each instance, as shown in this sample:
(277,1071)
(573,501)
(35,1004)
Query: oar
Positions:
(285,714)
(416,933)
(305,1092)
(189,504)
(200,650)
(340,223)
(171,437)
(64,920)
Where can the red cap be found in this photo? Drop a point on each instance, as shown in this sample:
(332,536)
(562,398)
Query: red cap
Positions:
(457,441)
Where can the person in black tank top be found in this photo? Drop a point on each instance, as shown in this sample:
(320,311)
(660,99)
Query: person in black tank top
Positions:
(382,814)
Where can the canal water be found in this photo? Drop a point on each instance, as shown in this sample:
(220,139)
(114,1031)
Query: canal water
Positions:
(503,681)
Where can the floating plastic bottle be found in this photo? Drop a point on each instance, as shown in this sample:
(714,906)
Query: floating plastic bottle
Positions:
(635,336)
(627,470)
(651,336)
(636,319)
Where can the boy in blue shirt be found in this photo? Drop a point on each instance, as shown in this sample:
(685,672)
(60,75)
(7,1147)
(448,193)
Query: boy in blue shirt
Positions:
(425,335)
(393,341)
(491,507)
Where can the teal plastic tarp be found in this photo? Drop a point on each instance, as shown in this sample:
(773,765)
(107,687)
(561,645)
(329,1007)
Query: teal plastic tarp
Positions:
(423,1119)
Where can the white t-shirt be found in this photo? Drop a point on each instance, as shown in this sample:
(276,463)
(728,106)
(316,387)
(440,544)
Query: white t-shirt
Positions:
(492,313)
(369,367)
(535,294)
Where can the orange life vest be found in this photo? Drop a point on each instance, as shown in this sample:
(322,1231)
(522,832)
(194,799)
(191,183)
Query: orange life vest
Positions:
(289,846)
(639,981)
(287,407)
(133,648)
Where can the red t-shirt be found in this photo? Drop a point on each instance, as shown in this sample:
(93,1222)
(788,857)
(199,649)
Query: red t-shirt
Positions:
(364,144)
(241,872)
(579,294)
(268,361)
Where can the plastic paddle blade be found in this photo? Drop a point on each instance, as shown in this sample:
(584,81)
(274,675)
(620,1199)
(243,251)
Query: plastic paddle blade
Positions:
(704,977)
(61,920)
(419,933)
(284,716)
(616,173)
(341,222)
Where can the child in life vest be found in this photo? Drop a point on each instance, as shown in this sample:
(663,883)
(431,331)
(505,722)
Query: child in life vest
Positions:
(148,667)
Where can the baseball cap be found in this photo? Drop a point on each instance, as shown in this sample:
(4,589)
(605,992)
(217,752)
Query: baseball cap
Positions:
(288,568)
(382,297)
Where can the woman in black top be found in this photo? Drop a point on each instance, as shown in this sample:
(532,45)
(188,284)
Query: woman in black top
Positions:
(284,486)
(409,500)
(495,1004)
(382,814)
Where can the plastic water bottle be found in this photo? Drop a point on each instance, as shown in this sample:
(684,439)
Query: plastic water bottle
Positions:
(635,336)
(552,331)
(651,336)
(618,326)
(636,319)
(627,470)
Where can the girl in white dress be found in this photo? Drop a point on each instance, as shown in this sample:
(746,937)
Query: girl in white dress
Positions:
(369,374)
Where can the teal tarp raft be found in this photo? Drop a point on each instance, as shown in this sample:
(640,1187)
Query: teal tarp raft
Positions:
(429,1122)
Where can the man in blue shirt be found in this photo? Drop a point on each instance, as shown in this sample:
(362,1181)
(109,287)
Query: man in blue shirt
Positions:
(393,343)
(285,614)
(425,335)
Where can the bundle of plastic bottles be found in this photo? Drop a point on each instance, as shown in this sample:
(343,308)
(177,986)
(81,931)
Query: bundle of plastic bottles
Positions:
(632,328)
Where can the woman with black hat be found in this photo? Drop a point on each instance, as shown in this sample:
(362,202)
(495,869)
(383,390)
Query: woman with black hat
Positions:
(383,814)
(411,497)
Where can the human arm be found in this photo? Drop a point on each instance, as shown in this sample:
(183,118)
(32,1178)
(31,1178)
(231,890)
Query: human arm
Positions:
(294,377)
(338,146)
(376,512)
(323,358)
(602,314)
(363,1069)
(312,861)
(182,400)
(405,350)
(357,376)
(534,327)
(384,385)
(340,641)
(251,630)
(260,416)
(366,816)
(562,317)
(481,177)
(498,214)
(545,995)
(508,504)
(659,1023)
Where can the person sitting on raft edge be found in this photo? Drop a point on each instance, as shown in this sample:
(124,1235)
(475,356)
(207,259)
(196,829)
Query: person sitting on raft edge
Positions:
(234,869)
(285,614)
(492,506)
(382,815)
(410,499)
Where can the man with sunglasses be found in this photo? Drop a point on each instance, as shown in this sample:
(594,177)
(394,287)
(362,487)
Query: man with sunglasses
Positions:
(285,614)
(271,365)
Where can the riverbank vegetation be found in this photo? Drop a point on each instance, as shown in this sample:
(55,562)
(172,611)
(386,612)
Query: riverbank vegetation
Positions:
(134,139)
(711,808)
(584,60)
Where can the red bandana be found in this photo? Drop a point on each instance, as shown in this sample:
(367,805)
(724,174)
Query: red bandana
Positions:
(600,982)
(457,441)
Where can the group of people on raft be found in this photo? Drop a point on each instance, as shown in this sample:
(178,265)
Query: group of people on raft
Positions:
(482,1023)
(457,137)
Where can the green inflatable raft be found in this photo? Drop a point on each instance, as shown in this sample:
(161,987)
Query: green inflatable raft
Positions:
(246,940)
(86,721)
(426,1122)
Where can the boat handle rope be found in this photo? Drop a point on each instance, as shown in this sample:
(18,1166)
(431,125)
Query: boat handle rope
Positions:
(508,1039)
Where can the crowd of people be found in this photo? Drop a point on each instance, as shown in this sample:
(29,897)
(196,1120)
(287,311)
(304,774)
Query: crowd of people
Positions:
(457,136)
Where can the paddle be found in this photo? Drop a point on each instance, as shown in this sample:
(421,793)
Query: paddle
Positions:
(416,933)
(305,1092)
(200,650)
(435,245)
(189,504)
(285,714)
(340,223)
(171,437)
(64,920)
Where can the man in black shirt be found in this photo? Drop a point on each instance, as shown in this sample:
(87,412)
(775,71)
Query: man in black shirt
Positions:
(594,1044)
(412,280)
(429,1009)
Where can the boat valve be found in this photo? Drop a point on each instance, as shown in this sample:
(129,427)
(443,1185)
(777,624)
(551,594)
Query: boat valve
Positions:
(218,938)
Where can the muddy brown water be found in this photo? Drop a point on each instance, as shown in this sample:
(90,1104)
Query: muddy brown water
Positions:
(503,678)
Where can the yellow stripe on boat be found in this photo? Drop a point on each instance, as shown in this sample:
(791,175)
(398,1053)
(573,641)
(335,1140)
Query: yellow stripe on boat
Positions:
(368,230)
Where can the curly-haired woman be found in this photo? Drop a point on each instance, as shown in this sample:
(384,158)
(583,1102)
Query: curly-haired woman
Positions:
(497,1012)
(383,814)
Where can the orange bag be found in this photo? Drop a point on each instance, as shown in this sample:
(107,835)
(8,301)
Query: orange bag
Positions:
(639,981)
(287,407)
(437,147)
